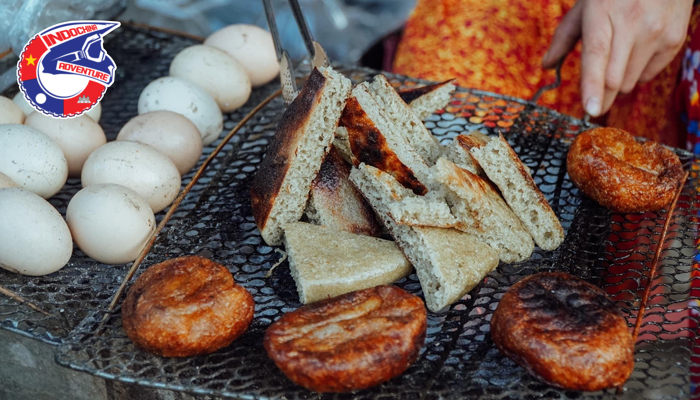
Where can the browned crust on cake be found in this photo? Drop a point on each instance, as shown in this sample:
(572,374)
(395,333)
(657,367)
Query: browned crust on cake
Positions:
(368,337)
(369,146)
(267,182)
(186,306)
(564,331)
(618,172)
(409,95)
(343,203)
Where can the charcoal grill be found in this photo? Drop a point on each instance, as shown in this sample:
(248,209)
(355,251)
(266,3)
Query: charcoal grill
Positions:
(459,359)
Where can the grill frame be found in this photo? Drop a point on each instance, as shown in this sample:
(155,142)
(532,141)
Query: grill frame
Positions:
(459,359)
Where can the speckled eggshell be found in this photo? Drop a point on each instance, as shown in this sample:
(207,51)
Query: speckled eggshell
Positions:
(110,223)
(216,72)
(32,160)
(186,98)
(34,238)
(136,166)
(77,137)
(252,47)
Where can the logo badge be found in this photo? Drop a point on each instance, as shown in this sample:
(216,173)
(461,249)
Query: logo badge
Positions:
(64,70)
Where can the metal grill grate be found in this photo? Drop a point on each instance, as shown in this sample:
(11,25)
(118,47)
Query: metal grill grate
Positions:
(458,359)
(84,284)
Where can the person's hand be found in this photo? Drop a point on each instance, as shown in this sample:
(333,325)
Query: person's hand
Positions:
(624,42)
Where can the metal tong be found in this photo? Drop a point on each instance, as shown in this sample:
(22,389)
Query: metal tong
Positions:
(555,85)
(316,53)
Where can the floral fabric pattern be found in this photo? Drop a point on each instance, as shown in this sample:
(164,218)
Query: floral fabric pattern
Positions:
(498,45)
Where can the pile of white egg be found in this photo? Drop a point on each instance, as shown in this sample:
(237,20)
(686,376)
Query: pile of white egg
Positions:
(128,180)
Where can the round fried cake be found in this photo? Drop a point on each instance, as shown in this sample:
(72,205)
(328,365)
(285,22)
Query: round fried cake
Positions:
(186,306)
(621,174)
(564,331)
(350,342)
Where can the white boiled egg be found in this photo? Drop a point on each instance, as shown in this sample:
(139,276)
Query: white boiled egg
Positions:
(23,104)
(110,223)
(252,47)
(137,166)
(78,137)
(170,133)
(6,182)
(34,238)
(32,160)
(186,98)
(10,113)
(95,112)
(216,72)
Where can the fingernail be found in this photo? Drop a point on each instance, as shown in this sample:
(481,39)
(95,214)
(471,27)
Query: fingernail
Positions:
(593,106)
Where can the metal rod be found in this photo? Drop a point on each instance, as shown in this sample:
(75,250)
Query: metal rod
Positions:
(17,297)
(655,261)
(654,264)
(270,14)
(176,203)
(303,27)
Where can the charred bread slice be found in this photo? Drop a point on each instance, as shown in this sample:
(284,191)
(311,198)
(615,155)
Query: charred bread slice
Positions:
(334,202)
(504,168)
(375,141)
(449,263)
(407,122)
(280,188)
(481,210)
(425,100)
(327,262)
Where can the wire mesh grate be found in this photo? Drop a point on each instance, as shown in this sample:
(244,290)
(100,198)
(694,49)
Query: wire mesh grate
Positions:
(458,360)
(69,294)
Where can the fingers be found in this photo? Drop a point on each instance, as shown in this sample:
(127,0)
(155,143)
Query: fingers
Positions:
(565,37)
(620,51)
(672,44)
(597,42)
(608,100)
(638,61)
(662,43)
(625,42)
(657,63)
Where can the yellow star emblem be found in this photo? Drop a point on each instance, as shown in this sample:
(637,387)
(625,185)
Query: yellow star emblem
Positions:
(30,60)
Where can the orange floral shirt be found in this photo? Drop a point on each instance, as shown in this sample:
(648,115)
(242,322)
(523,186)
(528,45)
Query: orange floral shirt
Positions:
(498,45)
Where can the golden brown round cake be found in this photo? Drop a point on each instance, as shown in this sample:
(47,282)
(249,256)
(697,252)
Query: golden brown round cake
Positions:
(564,331)
(186,306)
(618,172)
(350,342)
